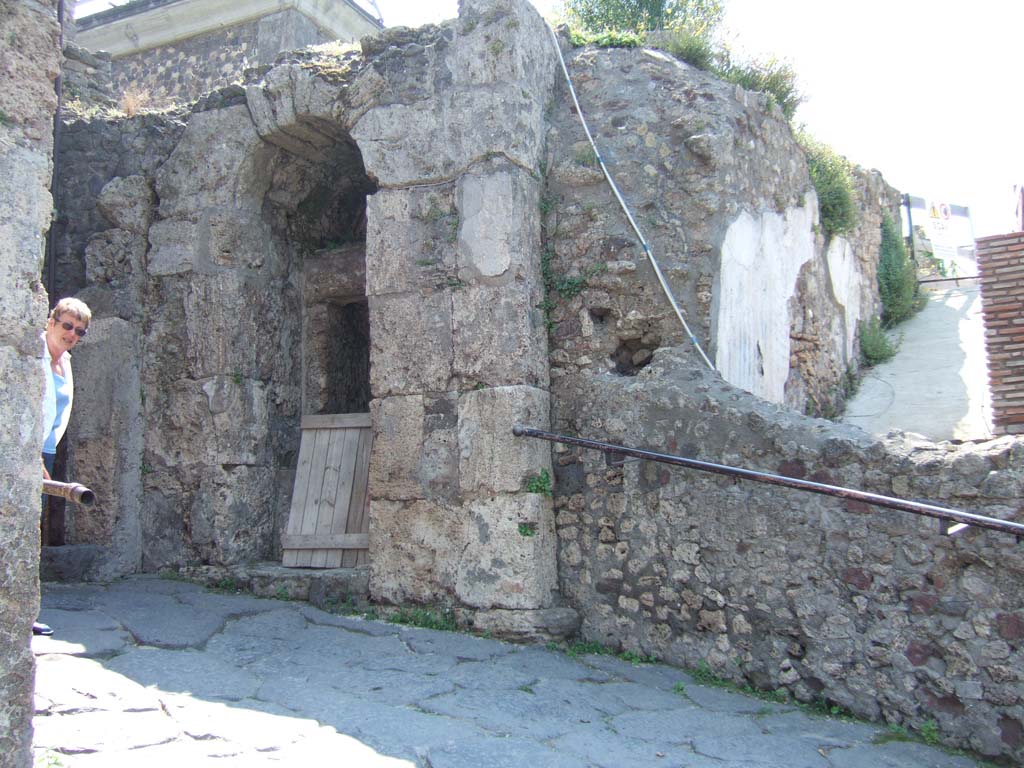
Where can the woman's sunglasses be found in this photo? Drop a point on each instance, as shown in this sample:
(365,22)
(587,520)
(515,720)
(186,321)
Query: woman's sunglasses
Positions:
(79,332)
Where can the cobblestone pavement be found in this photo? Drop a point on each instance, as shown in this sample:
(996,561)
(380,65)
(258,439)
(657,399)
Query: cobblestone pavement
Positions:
(151,672)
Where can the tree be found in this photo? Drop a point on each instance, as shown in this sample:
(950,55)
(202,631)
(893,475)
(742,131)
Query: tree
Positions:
(698,17)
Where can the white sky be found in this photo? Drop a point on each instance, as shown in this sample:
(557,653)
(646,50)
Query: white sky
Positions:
(925,91)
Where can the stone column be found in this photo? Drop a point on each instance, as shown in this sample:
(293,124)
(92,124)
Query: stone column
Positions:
(458,345)
(29,54)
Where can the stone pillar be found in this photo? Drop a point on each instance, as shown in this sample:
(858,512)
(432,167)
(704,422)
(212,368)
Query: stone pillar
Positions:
(29,54)
(458,344)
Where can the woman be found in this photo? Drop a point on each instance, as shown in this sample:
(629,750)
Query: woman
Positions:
(68,324)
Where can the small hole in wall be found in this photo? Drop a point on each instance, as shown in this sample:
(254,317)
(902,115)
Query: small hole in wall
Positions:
(631,356)
(600,315)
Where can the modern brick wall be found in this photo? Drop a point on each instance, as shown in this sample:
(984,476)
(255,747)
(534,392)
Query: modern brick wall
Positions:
(1001,264)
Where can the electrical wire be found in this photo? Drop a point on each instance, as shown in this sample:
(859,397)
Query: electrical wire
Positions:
(611,182)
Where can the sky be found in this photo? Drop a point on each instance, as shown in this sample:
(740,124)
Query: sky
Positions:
(924,91)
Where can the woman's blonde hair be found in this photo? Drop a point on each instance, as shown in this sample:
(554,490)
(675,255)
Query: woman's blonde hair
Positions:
(72,306)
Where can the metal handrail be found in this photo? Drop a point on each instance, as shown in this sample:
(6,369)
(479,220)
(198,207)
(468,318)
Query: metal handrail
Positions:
(959,517)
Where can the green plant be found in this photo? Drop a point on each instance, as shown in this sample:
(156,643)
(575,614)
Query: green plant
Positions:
(426,262)
(696,50)
(4,118)
(48,759)
(833,181)
(930,732)
(587,648)
(893,733)
(145,469)
(637,658)
(679,688)
(527,529)
(608,38)
(282,593)
(527,689)
(699,16)
(226,584)
(236,377)
(547,204)
(875,346)
(703,674)
(897,277)
(539,483)
(497,47)
(771,76)
(586,157)
(425,618)
(822,707)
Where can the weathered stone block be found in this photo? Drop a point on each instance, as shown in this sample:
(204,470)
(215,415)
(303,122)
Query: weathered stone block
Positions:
(215,421)
(415,549)
(508,560)
(232,515)
(220,162)
(417,354)
(410,240)
(237,240)
(406,143)
(528,626)
(499,335)
(335,274)
(127,203)
(491,459)
(173,244)
(498,235)
(415,449)
(397,445)
(107,433)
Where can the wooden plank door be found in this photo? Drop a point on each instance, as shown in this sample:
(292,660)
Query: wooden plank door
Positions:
(328,525)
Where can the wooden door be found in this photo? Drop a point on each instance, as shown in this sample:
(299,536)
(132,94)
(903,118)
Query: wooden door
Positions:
(328,526)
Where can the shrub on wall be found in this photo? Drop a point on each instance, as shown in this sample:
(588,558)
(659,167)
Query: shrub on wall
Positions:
(833,181)
(771,76)
(897,277)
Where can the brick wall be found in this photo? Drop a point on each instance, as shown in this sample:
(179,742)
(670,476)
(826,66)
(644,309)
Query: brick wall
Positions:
(1001,264)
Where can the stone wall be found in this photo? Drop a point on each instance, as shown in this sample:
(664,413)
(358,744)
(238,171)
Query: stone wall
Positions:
(29,60)
(343,232)
(1001,264)
(719,187)
(181,72)
(870,609)
(866,609)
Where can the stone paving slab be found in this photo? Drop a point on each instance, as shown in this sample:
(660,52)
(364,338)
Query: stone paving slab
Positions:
(154,672)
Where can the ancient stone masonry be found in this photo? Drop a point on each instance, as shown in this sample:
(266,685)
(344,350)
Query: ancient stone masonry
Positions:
(720,189)
(419,229)
(29,62)
(872,611)
(346,231)
(164,53)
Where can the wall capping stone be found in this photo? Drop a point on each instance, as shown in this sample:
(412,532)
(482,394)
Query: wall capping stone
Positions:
(126,30)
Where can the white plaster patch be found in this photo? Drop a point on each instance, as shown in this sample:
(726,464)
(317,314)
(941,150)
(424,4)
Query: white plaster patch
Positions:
(847,284)
(485,232)
(761,259)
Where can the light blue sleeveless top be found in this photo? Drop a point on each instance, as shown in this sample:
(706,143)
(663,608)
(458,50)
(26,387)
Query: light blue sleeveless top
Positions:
(63,389)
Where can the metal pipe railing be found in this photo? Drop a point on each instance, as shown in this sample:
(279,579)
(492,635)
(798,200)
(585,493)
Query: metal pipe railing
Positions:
(917,507)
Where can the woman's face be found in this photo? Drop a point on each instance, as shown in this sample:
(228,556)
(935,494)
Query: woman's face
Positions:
(65,331)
